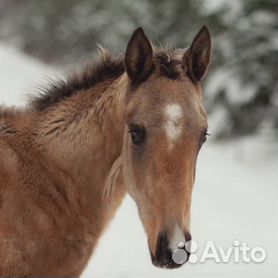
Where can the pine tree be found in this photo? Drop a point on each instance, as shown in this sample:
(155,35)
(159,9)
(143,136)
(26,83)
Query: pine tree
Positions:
(240,91)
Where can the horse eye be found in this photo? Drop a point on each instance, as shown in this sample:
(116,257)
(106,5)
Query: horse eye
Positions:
(205,135)
(137,134)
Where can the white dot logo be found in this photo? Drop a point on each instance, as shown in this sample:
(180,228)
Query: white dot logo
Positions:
(180,256)
(192,247)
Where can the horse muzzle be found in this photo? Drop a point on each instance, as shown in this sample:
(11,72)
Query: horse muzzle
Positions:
(169,256)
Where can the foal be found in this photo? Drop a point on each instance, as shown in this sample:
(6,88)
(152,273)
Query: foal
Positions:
(132,124)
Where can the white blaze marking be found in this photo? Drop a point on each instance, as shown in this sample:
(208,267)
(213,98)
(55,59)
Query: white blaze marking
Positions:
(177,239)
(173,116)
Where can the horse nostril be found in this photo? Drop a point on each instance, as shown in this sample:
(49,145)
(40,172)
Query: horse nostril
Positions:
(188,239)
(162,247)
(187,236)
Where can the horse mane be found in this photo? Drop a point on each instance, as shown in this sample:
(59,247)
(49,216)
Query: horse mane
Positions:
(106,69)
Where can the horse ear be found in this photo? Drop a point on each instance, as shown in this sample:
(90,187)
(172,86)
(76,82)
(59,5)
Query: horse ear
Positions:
(197,57)
(138,57)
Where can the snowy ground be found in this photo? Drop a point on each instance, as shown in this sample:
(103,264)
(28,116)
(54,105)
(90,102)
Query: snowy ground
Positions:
(235,198)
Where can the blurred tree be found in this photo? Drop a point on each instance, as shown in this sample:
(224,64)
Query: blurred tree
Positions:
(242,82)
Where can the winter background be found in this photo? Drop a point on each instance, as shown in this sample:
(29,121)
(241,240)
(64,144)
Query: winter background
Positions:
(236,193)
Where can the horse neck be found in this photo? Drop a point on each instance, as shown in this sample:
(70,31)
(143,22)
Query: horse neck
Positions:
(82,139)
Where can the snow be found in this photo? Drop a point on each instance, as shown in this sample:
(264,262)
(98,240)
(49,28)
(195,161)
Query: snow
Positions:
(235,198)
(231,10)
(226,80)
(19,76)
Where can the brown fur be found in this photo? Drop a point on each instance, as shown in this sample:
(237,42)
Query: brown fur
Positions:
(65,164)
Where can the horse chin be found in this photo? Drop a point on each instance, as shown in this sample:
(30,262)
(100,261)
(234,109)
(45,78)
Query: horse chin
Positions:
(166,264)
